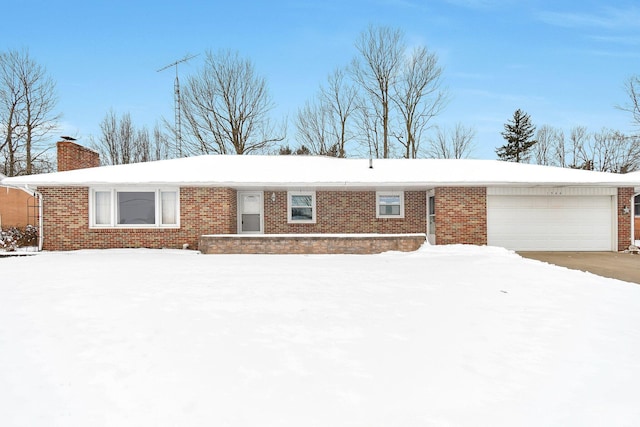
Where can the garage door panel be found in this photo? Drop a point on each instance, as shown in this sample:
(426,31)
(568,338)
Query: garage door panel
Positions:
(550,223)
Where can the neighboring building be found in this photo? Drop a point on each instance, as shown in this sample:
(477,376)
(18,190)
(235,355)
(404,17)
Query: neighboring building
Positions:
(18,208)
(636,222)
(277,204)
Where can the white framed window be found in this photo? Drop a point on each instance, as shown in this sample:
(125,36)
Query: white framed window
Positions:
(134,208)
(301,207)
(390,204)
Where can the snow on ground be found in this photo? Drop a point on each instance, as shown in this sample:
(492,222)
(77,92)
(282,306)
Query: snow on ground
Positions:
(446,336)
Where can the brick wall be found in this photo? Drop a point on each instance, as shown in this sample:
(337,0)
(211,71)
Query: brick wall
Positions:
(461,215)
(347,212)
(73,156)
(625,196)
(310,244)
(66,221)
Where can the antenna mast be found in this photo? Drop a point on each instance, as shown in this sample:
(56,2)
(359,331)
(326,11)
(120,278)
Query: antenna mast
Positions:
(177,102)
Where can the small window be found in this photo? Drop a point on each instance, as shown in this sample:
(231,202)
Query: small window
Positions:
(302,207)
(390,204)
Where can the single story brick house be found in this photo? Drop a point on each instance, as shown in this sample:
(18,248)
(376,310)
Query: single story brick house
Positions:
(312,204)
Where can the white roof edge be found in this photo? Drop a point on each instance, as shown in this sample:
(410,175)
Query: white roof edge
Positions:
(285,185)
(322,172)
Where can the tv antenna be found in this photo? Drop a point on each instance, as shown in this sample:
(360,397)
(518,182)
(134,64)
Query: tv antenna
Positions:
(177,102)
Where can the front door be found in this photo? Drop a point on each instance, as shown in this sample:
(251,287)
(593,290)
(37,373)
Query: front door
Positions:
(250,212)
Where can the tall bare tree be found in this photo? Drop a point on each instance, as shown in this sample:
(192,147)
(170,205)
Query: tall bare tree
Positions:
(323,125)
(612,151)
(579,140)
(559,149)
(28,102)
(11,98)
(452,144)
(376,71)
(313,128)
(418,96)
(632,87)
(400,92)
(340,97)
(226,106)
(120,142)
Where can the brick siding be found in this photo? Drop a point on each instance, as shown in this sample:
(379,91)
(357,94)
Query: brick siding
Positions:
(461,215)
(309,244)
(66,221)
(73,156)
(625,198)
(347,212)
(460,218)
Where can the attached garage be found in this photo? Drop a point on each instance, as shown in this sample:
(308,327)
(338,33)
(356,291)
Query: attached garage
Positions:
(552,219)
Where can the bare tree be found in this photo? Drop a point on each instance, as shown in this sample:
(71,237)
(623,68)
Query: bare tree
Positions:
(607,150)
(545,151)
(11,98)
(376,71)
(455,144)
(312,128)
(340,99)
(121,143)
(28,102)
(323,125)
(418,97)
(579,142)
(226,107)
(370,128)
(558,149)
(161,146)
(632,87)
(612,151)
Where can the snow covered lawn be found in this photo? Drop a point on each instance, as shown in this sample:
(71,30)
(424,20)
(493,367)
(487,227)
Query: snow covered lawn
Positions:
(446,336)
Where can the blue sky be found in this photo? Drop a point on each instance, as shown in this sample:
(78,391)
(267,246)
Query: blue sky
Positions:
(563,62)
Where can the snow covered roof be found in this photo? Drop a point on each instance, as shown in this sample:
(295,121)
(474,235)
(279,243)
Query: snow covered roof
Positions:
(318,171)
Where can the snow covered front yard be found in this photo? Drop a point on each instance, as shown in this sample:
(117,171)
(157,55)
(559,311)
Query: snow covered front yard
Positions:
(446,336)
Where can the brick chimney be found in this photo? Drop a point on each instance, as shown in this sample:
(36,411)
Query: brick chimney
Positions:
(73,156)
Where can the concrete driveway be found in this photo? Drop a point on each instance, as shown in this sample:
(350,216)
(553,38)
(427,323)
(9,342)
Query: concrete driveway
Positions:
(616,265)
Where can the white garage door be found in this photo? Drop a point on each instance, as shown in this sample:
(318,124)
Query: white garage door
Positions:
(550,223)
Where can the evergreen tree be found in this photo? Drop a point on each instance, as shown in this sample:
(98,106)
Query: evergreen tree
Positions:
(518,132)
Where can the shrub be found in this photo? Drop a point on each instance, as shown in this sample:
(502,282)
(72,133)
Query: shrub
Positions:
(13,238)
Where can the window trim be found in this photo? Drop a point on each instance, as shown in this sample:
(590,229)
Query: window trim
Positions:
(380,194)
(290,195)
(113,208)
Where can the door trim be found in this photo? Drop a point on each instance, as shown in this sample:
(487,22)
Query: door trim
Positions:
(240,209)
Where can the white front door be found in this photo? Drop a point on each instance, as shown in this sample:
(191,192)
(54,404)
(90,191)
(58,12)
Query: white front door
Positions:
(250,209)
